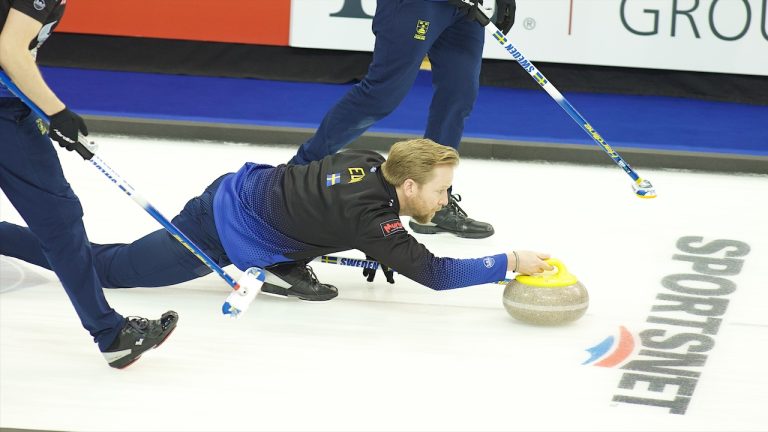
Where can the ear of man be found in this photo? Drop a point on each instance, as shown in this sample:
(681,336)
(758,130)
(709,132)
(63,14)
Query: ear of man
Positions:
(410,187)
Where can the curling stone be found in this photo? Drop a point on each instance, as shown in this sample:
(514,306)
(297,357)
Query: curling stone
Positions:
(549,298)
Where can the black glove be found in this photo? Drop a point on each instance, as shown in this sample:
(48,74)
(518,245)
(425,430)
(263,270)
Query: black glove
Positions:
(64,129)
(371,273)
(505,15)
(473,10)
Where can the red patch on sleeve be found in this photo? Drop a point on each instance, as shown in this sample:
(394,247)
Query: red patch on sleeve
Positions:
(391,226)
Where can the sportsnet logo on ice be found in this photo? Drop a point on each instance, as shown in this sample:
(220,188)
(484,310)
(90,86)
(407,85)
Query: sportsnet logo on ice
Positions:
(663,377)
(681,329)
(391,226)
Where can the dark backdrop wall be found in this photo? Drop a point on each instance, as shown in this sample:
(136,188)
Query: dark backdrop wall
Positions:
(309,65)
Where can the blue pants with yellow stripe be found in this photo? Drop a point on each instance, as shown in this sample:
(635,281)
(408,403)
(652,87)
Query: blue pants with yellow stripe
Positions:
(406,31)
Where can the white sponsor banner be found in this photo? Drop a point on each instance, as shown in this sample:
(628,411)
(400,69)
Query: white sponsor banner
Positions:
(727,36)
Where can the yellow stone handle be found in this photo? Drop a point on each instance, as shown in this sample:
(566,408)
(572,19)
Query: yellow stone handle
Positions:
(558,279)
(561,269)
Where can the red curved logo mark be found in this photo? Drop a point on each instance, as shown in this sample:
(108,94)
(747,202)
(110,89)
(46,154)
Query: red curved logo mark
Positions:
(621,349)
(624,348)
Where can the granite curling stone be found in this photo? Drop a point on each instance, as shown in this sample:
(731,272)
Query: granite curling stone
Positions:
(550,298)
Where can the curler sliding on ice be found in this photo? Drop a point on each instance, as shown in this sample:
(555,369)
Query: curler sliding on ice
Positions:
(244,290)
(279,218)
(481,13)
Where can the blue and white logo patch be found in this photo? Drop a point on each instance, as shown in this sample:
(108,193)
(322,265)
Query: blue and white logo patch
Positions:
(489,262)
(39,4)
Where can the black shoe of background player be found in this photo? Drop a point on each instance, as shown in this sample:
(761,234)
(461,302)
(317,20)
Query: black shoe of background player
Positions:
(297,279)
(453,219)
(138,335)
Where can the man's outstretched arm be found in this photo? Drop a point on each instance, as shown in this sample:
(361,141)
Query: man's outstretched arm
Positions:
(403,253)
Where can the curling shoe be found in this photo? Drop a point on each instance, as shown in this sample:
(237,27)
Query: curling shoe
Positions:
(453,219)
(296,279)
(138,335)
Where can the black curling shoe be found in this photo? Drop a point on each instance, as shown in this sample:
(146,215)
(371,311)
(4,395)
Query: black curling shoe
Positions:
(138,335)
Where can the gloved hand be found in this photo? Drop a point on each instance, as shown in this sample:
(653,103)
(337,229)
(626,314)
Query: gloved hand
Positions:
(505,15)
(473,10)
(64,129)
(371,273)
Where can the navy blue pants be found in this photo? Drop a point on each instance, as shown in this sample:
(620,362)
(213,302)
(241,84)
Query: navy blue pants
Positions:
(154,260)
(32,179)
(455,48)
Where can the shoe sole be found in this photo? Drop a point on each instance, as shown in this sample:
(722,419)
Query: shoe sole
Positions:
(317,299)
(281,292)
(436,230)
(155,346)
(307,299)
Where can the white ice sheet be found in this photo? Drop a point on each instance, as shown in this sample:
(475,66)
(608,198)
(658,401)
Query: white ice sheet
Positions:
(401,357)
